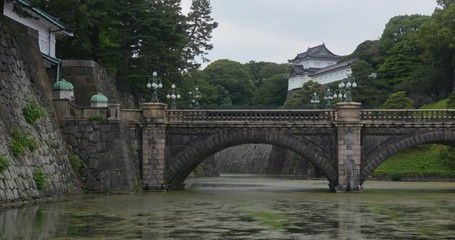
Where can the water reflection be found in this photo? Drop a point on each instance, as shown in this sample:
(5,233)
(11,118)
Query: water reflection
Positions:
(244,208)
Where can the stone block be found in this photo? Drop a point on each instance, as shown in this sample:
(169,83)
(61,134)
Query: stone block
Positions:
(95,137)
(101,147)
(106,128)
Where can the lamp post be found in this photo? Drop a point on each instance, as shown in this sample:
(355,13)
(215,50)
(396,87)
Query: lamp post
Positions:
(328,97)
(197,94)
(155,83)
(315,100)
(173,94)
(344,90)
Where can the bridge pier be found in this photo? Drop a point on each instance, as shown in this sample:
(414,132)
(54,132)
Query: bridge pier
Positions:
(153,146)
(349,147)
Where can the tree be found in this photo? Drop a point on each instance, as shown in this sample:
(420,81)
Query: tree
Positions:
(302,97)
(135,38)
(263,70)
(399,28)
(199,28)
(370,91)
(438,38)
(272,92)
(234,77)
(398,100)
(403,54)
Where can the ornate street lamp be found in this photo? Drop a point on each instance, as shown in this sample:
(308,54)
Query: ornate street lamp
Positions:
(328,97)
(197,94)
(344,91)
(315,100)
(155,83)
(173,94)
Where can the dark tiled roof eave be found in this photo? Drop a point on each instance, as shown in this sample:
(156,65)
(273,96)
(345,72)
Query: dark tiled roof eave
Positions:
(52,20)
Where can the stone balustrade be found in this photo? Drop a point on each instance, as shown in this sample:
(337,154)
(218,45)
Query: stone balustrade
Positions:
(407,115)
(66,110)
(276,115)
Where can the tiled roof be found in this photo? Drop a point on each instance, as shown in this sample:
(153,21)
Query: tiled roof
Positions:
(52,20)
(335,67)
(319,51)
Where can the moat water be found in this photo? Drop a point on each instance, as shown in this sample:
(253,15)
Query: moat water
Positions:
(245,207)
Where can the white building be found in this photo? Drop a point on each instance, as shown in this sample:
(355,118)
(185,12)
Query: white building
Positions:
(48,28)
(317,64)
(46,25)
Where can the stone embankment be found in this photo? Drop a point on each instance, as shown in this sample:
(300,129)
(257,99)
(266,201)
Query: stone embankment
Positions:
(110,152)
(263,159)
(42,169)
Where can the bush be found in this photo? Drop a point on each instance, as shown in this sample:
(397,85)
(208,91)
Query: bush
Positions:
(33,111)
(21,140)
(17,148)
(40,178)
(97,118)
(75,161)
(4,163)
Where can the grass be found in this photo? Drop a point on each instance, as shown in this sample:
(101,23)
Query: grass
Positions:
(421,161)
(437,105)
(417,162)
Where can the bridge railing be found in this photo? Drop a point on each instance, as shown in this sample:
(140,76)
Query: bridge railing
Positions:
(250,115)
(407,115)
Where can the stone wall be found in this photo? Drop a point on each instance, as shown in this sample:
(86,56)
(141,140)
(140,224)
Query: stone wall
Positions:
(263,159)
(110,153)
(23,78)
(89,78)
(247,158)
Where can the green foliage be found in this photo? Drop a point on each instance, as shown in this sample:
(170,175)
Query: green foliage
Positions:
(302,97)
(451,100)
(199,28)
(135,38)
(198,171)
(276,220)
(272,92)
(398,100)
(76,162)
(233,77)
(437,38)
(33,111)
(137,184)
(416,162)
(21,140)
(437,105)
(40,178)
(97,118)
(17,148)
(4,163)
(448,158)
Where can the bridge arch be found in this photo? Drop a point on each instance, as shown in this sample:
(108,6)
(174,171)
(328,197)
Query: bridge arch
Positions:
(188,158)
(395,145)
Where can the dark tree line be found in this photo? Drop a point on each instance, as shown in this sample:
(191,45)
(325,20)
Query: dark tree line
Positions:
(133,38)
(415,53)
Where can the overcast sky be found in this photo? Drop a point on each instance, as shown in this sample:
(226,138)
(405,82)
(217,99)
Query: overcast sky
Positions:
(276,30)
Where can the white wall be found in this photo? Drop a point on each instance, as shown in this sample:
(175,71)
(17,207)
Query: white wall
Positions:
(296,82)
(333,76)
(317,63)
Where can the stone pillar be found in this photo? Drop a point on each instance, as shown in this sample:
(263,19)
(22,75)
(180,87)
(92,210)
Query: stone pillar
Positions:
(113,111)
(153,146)
(349,147)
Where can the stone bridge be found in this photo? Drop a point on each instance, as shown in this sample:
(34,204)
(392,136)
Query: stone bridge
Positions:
(347,143)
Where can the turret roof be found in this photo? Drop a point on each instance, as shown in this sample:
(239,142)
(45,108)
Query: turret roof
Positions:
(63,85)
(99,98)
(319,52)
